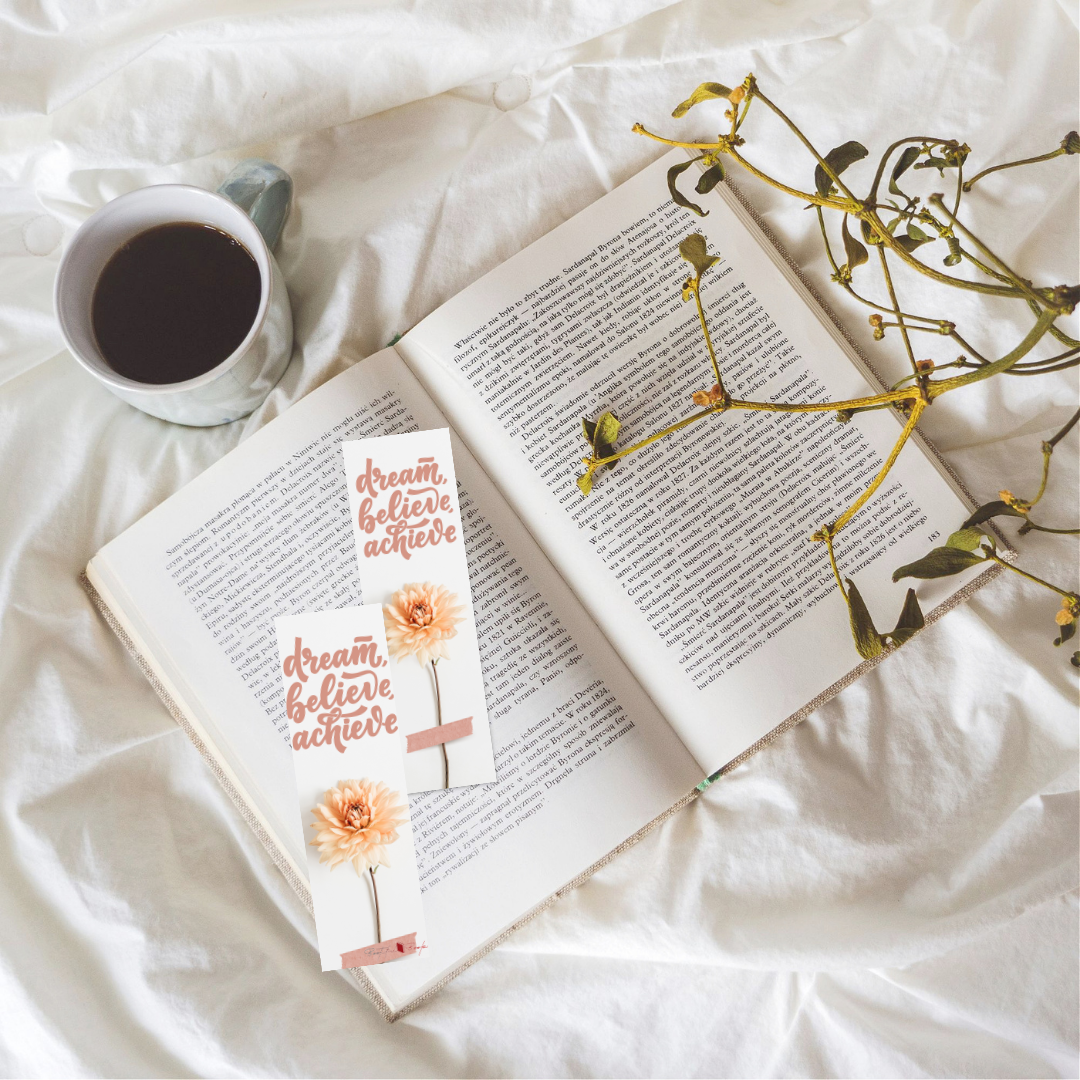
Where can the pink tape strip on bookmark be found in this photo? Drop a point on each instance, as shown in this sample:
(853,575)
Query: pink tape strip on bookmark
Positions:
(394,949)
(432,736)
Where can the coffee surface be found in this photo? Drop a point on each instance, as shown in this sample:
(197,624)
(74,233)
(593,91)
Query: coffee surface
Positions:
(174,302)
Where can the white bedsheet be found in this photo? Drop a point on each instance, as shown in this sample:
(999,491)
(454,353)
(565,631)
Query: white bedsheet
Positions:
(888,890)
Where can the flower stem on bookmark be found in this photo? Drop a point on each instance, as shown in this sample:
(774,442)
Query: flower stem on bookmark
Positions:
(438,721)
(420,620)
(358,820)
(375,897)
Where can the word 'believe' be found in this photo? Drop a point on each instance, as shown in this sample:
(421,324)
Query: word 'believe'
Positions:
(336,725)
(409,519)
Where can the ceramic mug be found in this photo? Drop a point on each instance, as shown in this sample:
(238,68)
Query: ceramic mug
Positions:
(251,206)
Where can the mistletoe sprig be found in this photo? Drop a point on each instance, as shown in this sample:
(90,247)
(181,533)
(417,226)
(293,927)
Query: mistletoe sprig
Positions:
(901,227)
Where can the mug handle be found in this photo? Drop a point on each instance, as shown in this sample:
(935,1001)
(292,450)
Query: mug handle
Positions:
(263,192)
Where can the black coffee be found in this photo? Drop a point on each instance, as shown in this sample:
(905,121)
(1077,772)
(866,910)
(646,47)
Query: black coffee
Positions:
(174,302)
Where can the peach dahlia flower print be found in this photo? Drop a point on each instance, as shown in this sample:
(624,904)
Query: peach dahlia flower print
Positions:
(420,620)
(357,820)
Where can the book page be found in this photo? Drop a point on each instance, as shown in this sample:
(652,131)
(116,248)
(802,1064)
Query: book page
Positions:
(693,555)
(583,759)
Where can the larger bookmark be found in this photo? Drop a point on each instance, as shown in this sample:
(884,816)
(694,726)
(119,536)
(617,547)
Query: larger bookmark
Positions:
(411,554)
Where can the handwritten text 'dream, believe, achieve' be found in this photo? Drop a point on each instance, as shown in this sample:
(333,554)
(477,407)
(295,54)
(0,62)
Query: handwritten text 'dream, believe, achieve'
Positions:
(414,514)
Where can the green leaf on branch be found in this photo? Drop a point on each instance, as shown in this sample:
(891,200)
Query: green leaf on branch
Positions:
(693,249)
(907,159)
(989,510)
(709,179)
(607,431)
(601,434)
(870,235)
(856,253)
(941,562)
(677,196)
(955,155)
(867,640)
(838,159)
(705,92)
(911,619)
(939,163)
(954,256)
(1067,631)
(966,539)
(915,238)
(1075,659)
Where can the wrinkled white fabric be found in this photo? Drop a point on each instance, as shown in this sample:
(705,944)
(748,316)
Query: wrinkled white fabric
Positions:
(888,890)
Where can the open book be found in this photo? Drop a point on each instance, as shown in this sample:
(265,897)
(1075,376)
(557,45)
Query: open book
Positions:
(633,642)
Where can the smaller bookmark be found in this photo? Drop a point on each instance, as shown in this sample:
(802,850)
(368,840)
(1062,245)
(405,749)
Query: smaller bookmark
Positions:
(411,558)
(348,759)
